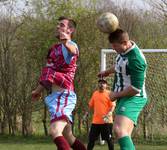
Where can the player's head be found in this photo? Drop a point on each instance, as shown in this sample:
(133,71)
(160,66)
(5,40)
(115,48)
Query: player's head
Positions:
(102,84)
(119,40)
(66,25)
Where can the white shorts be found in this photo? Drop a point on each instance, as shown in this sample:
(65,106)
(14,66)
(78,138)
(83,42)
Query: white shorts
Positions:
(60,105)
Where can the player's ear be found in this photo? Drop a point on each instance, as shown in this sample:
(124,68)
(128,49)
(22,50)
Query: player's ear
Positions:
(71,30)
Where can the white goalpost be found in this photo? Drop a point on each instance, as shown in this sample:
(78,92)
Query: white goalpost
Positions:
(155,113)
(104,53)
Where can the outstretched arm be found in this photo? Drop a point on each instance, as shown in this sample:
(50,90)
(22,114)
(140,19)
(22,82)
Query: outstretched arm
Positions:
(107,72)
(37,92)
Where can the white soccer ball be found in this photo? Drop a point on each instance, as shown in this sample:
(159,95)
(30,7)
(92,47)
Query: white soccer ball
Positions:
(107,22)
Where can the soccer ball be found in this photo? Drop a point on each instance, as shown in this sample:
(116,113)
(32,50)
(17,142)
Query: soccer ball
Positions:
(107,22)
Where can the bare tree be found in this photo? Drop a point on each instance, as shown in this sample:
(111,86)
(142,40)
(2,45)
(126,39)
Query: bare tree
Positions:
(7,73)
(159,9)
(13,78)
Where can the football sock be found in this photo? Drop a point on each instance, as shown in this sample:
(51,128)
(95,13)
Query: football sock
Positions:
(77,145)
(61,143)
(126,143)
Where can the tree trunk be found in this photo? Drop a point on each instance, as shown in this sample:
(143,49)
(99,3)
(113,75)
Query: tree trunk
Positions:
(79,124)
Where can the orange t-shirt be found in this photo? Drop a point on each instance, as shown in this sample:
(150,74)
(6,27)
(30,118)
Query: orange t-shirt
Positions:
(101,105)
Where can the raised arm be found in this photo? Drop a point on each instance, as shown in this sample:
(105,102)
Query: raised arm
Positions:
(65,40)
(72,48)
(107,72)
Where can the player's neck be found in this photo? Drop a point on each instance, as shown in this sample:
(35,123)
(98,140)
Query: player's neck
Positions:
(102,90)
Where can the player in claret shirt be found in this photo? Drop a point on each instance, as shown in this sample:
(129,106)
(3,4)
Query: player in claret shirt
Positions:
(58,78)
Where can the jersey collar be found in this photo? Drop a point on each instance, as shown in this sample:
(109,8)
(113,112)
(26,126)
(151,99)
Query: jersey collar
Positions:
(128,50)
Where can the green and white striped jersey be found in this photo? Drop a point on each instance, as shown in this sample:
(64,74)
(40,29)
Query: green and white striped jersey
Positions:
(130,69)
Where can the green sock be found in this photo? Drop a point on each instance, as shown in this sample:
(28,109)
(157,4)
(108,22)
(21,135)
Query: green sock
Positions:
(126,143)
(134,147)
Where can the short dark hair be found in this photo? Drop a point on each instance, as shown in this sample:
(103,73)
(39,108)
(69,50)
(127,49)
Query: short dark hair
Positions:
(72,23)
(118,36)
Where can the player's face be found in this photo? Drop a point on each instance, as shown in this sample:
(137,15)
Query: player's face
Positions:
(63,27)
(102,85)
(118,47)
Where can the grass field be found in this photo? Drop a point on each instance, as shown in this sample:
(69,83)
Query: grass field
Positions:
(43,143)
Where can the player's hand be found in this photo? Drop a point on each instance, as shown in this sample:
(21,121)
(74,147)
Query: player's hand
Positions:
(35,95)
(64,36)
(102,74)
(106,119)
(110,113)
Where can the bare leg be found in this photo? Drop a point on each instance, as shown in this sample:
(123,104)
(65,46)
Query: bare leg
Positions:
(56,130)
(123,128)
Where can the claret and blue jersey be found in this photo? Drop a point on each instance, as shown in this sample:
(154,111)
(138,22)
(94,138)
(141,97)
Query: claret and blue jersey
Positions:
(60,68)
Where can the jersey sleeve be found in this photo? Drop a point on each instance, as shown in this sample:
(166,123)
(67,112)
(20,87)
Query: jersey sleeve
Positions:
(136,69)
(46,71)
(67,55)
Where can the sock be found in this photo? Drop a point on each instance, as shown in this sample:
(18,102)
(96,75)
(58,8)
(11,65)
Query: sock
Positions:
(110,144)
(77,145)
(126,143)
(61,143)
(90,145)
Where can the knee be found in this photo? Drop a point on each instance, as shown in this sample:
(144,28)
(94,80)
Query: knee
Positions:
(119,131)
(54,132)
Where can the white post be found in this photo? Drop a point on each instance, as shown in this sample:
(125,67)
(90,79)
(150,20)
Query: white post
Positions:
(103,61)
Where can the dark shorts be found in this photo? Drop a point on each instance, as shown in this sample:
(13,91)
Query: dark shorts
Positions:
(104,129)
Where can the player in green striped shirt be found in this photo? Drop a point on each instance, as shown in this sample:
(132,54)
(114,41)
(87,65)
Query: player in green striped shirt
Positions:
(129,86)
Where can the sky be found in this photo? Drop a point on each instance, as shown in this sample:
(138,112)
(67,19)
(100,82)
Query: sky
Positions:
(135,4)
(132,4)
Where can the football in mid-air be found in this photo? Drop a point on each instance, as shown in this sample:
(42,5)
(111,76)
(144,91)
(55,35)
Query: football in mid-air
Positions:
(107,22)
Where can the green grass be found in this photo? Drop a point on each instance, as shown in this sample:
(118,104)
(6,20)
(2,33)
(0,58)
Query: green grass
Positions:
(45,143)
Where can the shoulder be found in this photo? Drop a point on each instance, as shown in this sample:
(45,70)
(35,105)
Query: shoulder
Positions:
(51,49)
(107,91)
(55,45)
(135,53)
(96,92)
(106,94)
(136,57)
(73,43)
